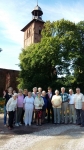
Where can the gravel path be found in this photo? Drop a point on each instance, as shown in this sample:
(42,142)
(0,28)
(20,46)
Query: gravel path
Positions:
(61,137)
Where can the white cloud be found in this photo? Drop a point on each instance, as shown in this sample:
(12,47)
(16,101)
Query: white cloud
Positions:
(17,14)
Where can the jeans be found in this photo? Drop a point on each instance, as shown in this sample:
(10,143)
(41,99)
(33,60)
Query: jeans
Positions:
(79,113)
(5,115)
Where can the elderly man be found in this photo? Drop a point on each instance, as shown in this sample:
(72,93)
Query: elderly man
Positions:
(79,103)
(65,100)
(72,110)
(49,104)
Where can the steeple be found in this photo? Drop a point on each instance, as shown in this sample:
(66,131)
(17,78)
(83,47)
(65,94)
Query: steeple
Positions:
(32,31)
(37,12)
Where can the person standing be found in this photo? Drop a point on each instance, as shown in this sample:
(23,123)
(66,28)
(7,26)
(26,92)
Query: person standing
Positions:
(65,100)
(72,110)
(7,96)
(44,106)
(10,107)
(34,93)
(38,103)
(82,114)
(25,93)
(28,107)
(49,106)
(78,100)
(56,104)
(19,111)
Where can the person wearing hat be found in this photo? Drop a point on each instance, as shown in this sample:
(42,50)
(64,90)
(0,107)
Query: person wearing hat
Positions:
(10,107)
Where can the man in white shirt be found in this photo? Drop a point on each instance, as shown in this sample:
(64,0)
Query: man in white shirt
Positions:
(79,100)
(72,110)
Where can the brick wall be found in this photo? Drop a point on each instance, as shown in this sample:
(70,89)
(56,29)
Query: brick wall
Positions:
(8,78)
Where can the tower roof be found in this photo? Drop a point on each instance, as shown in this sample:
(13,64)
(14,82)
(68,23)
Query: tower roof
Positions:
(37,11)
(34,20)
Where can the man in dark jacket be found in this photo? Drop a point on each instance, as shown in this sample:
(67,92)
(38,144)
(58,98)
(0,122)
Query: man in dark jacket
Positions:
(49,105)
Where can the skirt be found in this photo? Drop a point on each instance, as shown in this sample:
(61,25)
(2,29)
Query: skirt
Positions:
(38,113)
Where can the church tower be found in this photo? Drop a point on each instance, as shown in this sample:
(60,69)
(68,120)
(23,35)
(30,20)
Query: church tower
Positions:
(32,31)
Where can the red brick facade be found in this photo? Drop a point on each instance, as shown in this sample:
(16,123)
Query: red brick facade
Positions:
(8,78)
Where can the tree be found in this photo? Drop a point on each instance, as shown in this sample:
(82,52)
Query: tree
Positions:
(79,63)
(59,46)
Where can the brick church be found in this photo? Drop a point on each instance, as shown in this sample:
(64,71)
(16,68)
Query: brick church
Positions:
(32,34)
(32,31)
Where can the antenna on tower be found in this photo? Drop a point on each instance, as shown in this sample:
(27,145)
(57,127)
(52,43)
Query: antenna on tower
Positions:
(37,2)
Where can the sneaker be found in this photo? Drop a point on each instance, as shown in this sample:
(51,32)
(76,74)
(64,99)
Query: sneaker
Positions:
(5,125)
(20,124)
(16,124)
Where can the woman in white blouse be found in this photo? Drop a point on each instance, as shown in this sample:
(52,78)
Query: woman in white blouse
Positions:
(28,106)
(38,103)
(10,107)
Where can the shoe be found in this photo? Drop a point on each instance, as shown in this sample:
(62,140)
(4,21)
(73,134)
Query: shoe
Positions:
(5,125)
(20,124)
(81,125)
(74,123)
(40,124)
(10,128)
(58,123)
(62,122)
(78,123)
(54,123)
(16,124)
(66,123)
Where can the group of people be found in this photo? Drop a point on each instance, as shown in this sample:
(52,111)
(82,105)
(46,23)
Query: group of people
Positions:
(28,107)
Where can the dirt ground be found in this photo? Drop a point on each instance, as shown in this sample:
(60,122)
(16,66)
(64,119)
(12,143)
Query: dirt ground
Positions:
(64,141)
(46,137)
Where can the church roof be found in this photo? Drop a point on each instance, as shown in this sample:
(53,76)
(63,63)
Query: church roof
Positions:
(38,20)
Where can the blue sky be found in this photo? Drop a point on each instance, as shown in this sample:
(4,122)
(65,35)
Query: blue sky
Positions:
(15,14)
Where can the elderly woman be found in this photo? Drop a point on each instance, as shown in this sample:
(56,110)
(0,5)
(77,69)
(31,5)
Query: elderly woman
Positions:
(28,106)
(19,111)
(10,107)
(38,103)
(56,104)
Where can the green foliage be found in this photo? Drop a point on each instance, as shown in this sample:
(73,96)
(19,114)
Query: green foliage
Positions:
(62,44)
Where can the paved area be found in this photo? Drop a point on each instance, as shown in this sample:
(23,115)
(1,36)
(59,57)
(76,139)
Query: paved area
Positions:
(46,137)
